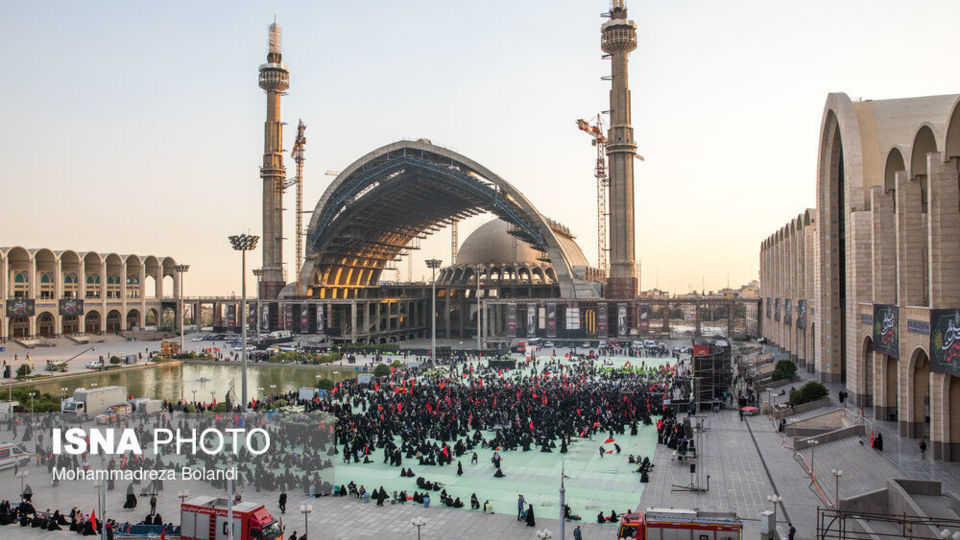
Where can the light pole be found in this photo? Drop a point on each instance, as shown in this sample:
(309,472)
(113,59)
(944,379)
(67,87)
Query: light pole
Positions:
(31,401)
(479,311)
(258,272)
(836,475)
(63,391)
(813,446)
(102,531)
(22,475)
(183,495)
(775,499)
(418,522)
(244,243)
(433,264)
(181,269)
(305,509)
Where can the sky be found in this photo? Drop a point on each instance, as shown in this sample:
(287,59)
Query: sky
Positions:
(137,127)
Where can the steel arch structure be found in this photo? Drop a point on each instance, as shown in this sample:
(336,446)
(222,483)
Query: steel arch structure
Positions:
(406,190)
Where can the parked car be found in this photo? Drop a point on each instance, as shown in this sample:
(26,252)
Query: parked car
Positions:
(94,364)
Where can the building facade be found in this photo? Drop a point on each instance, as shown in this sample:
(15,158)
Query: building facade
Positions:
(865,289)
(50,293)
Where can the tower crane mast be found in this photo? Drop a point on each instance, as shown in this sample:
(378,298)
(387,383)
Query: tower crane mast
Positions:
(297,155)
(599,140)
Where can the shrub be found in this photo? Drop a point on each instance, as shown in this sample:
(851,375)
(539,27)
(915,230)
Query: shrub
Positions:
(325,384)
(219,407)
(785,369)
(330,357)
(397,364)
(382,370)
(115,360)
(811,391)
(23,371)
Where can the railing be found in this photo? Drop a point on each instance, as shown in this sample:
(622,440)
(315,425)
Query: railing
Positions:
(833,523)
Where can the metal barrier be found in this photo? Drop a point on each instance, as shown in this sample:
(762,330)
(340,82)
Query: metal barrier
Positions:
(832,523)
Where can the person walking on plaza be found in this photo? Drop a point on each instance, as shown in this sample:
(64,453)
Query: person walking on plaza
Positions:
(923,449)
(520,504)
(283,502)
(577,535)
(153,504)
(792,533)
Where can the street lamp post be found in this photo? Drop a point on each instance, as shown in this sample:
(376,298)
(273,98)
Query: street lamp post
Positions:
(813,447)
(418,522)
(479,311)
(183,496)
(305,509)
(433,264)
(258,273)
(244,243)
(181,269)
(22,475)
(775,499)
(31,400)
(837,473)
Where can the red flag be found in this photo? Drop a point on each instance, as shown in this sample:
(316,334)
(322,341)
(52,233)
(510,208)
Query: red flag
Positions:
(445,451)
(578,412)
(531,425)
(470,421)
(609,451)
(494,401)
(608,441)
(93,519)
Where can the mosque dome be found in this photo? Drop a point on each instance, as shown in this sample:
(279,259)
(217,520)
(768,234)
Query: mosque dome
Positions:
(491,243)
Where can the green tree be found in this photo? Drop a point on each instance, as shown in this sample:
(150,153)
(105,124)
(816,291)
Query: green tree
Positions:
(811,391)
(382,370)
(785,369)
(23,371)
(324,384)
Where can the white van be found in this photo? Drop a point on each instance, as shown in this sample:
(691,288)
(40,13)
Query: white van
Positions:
(11,454)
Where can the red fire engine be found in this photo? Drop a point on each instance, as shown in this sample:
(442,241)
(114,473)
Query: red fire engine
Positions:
(676,524)
(205,518)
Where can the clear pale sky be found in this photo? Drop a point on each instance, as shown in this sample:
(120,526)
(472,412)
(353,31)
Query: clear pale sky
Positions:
(137,127)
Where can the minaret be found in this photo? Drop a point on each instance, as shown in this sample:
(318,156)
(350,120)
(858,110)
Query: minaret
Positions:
(619,37)
(275,79)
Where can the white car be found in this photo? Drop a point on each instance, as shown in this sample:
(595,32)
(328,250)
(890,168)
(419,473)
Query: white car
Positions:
(94,364)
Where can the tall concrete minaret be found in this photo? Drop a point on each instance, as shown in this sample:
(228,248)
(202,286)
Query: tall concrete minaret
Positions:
(274,79)
(619,37)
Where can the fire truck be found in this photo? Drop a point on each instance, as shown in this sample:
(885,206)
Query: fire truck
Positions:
(677,524)
(205,518)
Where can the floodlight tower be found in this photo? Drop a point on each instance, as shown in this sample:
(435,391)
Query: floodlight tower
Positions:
(618,38)
(275,80)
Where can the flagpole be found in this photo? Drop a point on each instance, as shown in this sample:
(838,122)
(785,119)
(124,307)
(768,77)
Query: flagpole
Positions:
(562,502)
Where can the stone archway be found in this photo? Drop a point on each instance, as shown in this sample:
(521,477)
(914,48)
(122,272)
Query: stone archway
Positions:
(918,395)
(891,410)
(92,323)
(18,327)
(71,325)
(133,320)
(114,322)
(951,452)
(46,325)
(151,318)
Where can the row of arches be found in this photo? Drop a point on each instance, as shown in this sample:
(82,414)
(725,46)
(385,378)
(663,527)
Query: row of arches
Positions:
(47,274)
(91,322)
(525,274)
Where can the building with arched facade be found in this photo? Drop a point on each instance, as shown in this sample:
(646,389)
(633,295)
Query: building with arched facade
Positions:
(864,289)
(49,293)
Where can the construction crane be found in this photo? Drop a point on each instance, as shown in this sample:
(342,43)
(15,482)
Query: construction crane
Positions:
(297,155)
(454,241)
(599,140)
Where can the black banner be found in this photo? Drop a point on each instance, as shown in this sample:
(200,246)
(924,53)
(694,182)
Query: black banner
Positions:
(265,317)
(288,317)
(776,309)
(602,320)
(231,316)
(531,320)
(551,319)
(767,303)
(945,341)
(21,308)
(643,312)
(304,318)
(788,311)
(320,319)
(511,319)
(802,314)
(623,323)
(71,306)
(886,329)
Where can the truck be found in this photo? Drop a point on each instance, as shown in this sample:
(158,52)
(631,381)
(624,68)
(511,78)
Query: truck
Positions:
(87,403)
(146,405)
(205,518)
(7,408)
(281,334)
(679,524)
